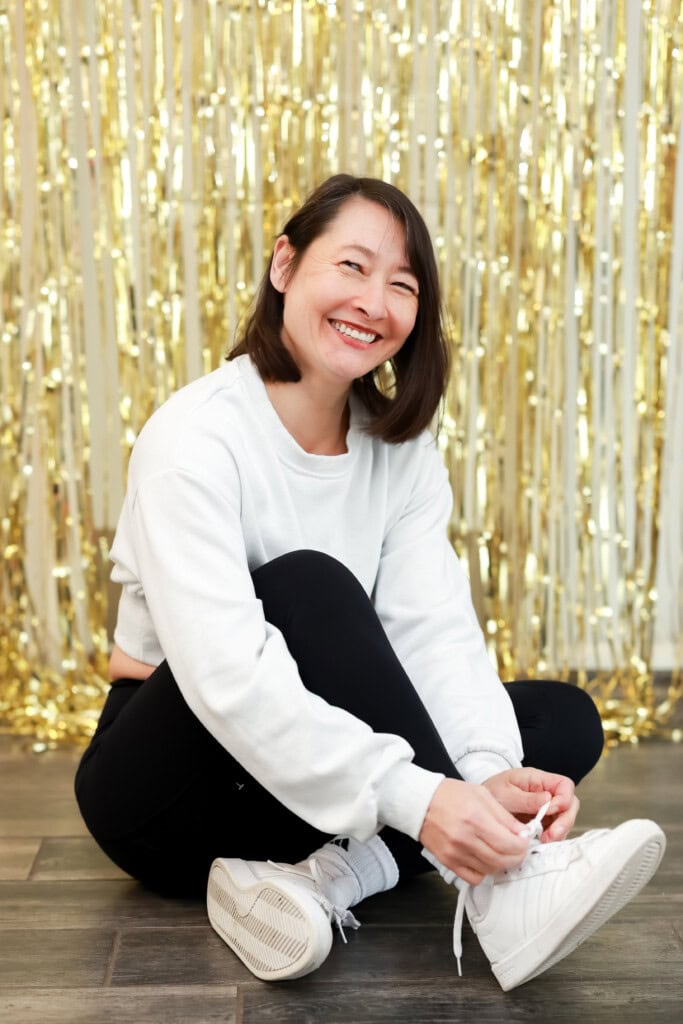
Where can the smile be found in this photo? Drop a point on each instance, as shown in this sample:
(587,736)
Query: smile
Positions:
(365,337)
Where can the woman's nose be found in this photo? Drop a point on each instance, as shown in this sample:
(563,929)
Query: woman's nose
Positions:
(372,299)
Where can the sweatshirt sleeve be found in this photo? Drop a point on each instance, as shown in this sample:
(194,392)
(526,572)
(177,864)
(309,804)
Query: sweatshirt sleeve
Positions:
(423,599)
(183,537)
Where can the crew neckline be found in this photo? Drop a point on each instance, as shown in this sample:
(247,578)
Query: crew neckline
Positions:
(288,448)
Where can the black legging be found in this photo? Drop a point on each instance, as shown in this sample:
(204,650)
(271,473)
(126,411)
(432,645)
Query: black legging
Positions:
(162,797)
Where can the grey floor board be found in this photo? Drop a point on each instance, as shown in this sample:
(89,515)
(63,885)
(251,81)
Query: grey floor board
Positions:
(36,797)
(459,1002)
(83,904)
(642,778)
(163,956)
(80,943)
(73,858)
(138,1005)
(200,957)
(380,954)
(16,858)
(37,958)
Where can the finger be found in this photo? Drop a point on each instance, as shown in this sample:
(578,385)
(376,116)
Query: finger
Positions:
(486,845)
(470,875)
(532,780)
(498,848)
(483,860)
(467,859)
(561,789)
(561,824)
(488,818)
(558,830)
(520,802)
(497,843)
(516,802)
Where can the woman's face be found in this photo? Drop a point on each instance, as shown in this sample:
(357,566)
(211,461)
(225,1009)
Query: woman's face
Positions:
(352,301)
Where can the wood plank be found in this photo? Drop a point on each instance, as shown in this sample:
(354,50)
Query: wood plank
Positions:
(17,857)
(40,958)
(381,954)
(73,858)
(634,782)
(138,1005)
(166,956)
(160,955)
(98,904)
(36,798)
(462,1002)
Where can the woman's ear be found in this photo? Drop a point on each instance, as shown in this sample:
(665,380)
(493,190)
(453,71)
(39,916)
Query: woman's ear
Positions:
(283,254)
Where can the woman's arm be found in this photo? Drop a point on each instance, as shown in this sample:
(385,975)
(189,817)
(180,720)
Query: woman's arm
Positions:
(180,544)
(122,666)
(423,599)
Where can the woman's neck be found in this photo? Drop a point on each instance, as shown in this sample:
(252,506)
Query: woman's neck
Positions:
(317,421)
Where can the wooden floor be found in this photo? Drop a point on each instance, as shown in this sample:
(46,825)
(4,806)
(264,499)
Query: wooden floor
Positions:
(80,942)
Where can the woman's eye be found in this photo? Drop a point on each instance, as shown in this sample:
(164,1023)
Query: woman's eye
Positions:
(351,264)
(404,286)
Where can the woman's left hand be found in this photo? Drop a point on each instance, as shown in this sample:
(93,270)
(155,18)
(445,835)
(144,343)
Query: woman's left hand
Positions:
(523,791)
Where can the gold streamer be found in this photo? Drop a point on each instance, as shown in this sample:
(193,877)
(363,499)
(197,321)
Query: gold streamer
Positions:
(149,153)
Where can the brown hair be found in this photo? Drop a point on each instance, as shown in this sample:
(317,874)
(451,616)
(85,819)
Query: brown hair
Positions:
(419,368)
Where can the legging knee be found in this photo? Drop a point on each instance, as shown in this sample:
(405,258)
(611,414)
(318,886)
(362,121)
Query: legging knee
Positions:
(561,727)
(308,582)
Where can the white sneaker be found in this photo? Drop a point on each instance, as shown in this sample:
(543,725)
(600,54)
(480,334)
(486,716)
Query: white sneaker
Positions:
(275,917)
(529,918)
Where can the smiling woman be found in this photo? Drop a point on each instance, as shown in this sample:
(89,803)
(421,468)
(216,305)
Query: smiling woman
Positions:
(381,241)
(349,305)
(298,673)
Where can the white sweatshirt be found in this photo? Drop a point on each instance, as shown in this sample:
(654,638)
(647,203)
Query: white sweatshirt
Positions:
(216,488)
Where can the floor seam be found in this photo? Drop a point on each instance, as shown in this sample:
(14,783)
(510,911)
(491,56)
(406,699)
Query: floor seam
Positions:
(113,956)
(29,876)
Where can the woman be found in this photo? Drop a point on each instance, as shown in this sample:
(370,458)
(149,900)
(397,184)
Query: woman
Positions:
(298,673)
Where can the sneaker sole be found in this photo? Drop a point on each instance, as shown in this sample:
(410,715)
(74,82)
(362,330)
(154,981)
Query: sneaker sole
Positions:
(276,934)
(641,856)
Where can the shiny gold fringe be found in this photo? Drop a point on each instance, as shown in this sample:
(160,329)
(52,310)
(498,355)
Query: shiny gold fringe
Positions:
(149,153)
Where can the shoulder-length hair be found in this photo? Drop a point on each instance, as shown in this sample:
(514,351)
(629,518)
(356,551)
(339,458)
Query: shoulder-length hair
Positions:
(401,398)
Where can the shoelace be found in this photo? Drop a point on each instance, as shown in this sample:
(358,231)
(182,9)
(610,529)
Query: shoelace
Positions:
(341,916)
(533,829)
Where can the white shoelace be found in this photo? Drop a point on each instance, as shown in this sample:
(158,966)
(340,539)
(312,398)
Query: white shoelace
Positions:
(533,829)
(341,916)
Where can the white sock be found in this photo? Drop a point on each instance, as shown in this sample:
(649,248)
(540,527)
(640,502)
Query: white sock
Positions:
(354,870)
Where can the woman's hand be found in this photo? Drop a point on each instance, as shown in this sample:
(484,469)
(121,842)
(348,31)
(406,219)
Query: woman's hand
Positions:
(523,791)
(470,831)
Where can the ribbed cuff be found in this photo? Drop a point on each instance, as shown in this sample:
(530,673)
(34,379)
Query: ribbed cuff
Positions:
(405,796)
(373,864)
(480,765)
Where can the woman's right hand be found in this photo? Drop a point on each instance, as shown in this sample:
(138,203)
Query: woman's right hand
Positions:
(468,831)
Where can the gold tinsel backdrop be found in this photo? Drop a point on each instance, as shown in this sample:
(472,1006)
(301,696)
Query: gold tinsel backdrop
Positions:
(149,152)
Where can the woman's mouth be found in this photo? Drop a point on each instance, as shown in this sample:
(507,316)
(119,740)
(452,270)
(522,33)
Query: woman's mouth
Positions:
(355,333)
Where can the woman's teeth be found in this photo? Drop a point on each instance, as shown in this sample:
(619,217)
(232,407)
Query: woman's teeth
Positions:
(366,337)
